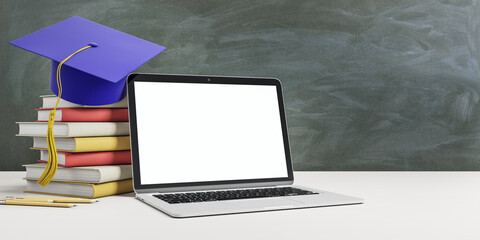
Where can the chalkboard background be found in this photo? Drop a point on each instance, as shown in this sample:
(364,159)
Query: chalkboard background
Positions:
(369,85)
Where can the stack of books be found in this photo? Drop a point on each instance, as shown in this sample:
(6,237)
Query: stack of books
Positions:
(93,147)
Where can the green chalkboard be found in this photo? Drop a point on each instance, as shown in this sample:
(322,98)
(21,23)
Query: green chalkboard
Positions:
(369,85)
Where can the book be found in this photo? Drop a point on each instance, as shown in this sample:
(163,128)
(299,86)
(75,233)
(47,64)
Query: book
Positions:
(85,144)
(50,100)
(90,174)
(85,115)
(66,159)
(74,129)
(83,190)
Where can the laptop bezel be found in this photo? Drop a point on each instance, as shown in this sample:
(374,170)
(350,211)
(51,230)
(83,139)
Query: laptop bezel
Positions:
(196,186)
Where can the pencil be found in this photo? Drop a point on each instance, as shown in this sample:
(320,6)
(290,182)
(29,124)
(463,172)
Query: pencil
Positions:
(38,204)
(53,200)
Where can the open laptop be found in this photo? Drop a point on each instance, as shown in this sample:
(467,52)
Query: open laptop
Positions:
(208,145)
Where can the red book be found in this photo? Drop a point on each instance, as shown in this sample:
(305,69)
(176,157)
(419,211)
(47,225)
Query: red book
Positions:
(89,158)
(85,114)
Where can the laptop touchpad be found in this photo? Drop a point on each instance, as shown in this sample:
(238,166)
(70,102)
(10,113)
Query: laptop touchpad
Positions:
(268,203)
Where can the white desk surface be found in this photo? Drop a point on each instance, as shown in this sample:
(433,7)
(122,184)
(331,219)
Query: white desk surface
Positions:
(398,205)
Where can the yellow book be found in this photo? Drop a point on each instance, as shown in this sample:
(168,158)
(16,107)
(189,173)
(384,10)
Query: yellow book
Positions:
(82,190)
(85,144)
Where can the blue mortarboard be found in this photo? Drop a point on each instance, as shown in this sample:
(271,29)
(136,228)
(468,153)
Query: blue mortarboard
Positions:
(97,75)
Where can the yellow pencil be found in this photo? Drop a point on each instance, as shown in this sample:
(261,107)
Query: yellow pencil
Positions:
(38,204)
(53,200)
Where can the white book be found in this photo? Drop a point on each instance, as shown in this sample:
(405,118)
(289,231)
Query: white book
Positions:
(62,189)
(74,129)
(87,174)
(62,144)
(50,100)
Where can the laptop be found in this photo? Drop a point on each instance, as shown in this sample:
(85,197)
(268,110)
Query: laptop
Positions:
(210,145)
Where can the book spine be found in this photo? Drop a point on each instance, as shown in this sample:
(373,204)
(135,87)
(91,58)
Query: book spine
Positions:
(99,190)
(91,129)
(99,174)
(74,129)
(92,115)
(49,102)
(114,173)
(57,194)
(112,188)
(98,144)
(95,158)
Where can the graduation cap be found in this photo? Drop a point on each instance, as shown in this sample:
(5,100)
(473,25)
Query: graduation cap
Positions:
(95,76)
(90,63)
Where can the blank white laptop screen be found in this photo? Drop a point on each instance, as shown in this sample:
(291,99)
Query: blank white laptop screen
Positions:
(194,132)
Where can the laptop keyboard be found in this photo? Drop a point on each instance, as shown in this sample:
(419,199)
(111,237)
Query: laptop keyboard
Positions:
(231,194)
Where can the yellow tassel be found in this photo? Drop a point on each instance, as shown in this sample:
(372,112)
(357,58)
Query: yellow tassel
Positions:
(51,168)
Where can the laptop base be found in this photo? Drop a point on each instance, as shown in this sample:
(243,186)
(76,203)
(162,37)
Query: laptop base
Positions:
(184,210)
